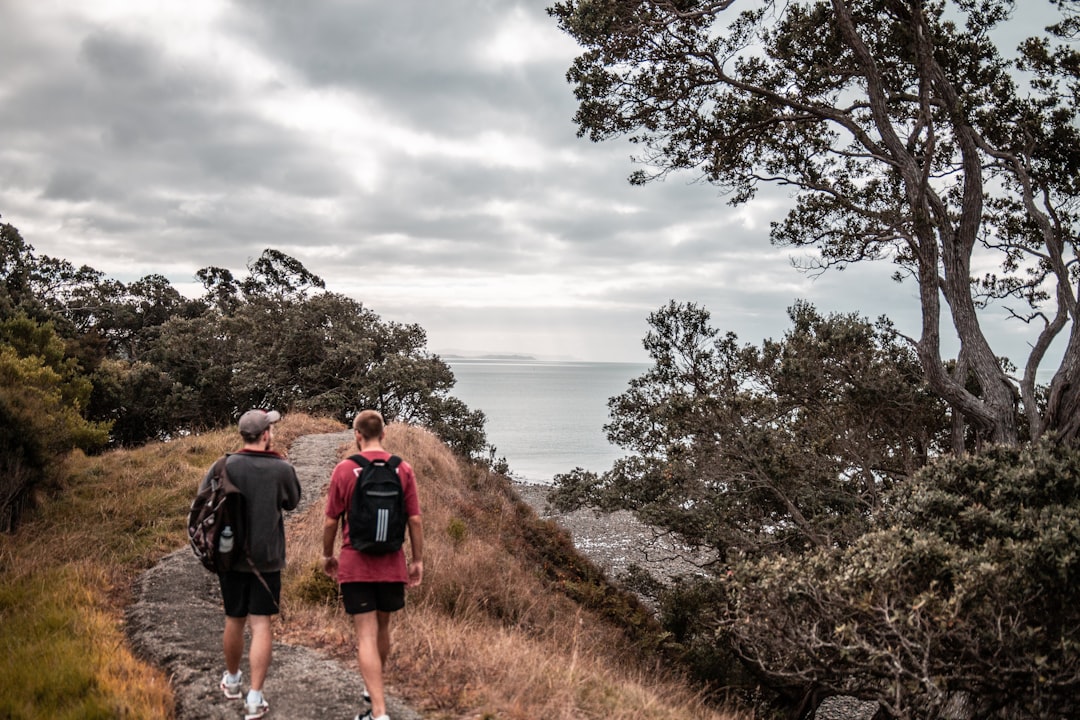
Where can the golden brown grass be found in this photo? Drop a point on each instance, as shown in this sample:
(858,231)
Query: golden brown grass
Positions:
(493,633)
(68,572)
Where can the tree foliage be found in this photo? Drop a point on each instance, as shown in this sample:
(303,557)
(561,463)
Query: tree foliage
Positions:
(42,396)
(903,131)
(324,354)
(83,354)
(967,588)
(761,450)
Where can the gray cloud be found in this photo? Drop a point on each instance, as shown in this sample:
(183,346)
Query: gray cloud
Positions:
(420,156)
(421,60)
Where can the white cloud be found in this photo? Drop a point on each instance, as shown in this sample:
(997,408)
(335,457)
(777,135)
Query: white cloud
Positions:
(419,156)
(521,38)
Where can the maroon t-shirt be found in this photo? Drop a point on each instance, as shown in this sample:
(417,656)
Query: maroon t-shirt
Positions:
(353,565)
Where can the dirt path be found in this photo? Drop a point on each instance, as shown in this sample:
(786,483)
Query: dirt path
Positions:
(176,623)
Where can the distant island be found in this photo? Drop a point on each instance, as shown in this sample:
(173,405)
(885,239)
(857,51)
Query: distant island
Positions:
(487,357)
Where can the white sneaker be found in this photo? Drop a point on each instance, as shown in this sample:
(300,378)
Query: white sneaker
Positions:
(368,716)
(230,686)
(257,710)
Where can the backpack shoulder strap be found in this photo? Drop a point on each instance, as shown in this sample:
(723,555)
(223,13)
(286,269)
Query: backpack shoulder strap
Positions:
(393,462)
(218,475)
(360,460)
(223,473)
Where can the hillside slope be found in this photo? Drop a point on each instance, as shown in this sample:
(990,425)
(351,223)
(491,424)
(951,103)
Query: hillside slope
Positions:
(511,622)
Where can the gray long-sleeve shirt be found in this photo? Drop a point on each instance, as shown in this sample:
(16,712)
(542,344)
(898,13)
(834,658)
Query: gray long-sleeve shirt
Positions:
(270,486)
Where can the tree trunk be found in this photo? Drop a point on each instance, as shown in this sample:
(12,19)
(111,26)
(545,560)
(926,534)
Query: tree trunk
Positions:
(1063,404)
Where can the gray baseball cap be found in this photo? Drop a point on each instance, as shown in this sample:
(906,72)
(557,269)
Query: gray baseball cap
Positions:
(254,422)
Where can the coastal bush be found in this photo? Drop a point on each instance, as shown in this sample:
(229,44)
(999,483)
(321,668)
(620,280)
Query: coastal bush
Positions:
(969,587)
(311,585)
(42,393)
(457,530)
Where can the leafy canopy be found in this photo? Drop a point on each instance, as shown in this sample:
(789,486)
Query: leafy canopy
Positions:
(969,586)
(761,450)
(903,131)
(88,360)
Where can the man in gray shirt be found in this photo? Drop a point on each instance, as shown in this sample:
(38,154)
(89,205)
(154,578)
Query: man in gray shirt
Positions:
(269,486)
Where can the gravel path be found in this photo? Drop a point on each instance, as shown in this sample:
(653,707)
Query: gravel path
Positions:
(176,623)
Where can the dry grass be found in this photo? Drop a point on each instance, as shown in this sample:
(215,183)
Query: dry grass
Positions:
(493,633)
(68,572)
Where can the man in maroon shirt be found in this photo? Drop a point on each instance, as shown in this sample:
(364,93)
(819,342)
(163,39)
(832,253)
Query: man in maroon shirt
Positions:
(372,586)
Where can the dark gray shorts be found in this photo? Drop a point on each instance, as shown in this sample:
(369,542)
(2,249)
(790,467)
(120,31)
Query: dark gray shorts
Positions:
(364,597)
(243,594)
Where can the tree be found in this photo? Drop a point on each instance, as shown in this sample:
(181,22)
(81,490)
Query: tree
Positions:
(38,287)
(199,355)
(275,276)
(14,271)
(140,401)
(42,394)
(967,588)
(270,342)
(773,450)
(902,130)
(328,354)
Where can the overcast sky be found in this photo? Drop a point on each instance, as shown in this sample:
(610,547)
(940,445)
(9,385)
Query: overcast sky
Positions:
(418,156)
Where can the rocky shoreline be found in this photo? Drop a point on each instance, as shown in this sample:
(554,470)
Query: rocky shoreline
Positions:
(618,540)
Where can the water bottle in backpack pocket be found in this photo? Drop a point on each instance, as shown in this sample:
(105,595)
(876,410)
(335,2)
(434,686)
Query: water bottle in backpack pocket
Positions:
(225,541)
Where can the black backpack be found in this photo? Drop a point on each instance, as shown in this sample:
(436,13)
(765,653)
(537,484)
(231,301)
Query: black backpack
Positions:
(377,518)
(218,506)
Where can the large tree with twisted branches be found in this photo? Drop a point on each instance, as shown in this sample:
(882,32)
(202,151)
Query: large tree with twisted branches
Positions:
(909,136)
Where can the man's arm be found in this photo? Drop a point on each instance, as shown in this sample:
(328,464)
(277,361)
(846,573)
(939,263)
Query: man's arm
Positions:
(416,542)
(329,533)
(292,491)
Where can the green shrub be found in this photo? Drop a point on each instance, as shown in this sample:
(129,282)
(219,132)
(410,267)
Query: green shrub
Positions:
(316,587)
(969,587)
(457,530)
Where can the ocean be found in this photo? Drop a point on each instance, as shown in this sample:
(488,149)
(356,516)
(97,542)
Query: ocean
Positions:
(545,417)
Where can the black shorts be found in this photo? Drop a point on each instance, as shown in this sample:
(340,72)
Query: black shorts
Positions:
(363,597)
(243,594)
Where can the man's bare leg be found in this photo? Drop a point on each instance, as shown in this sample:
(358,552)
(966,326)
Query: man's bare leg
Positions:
(261,649)
(370,652)
(384,636)
(233,643)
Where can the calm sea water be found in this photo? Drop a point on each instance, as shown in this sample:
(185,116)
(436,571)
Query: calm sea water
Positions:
(545,417)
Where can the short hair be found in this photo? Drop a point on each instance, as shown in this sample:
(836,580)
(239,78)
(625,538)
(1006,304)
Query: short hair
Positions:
(369,423)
